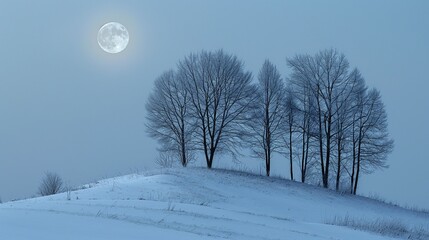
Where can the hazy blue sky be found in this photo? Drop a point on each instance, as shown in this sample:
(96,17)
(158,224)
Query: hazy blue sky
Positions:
(69,107)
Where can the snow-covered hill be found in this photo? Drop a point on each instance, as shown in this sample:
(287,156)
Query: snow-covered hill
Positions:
(198,203)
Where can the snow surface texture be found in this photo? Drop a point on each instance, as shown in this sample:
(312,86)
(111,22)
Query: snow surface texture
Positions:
(198,203)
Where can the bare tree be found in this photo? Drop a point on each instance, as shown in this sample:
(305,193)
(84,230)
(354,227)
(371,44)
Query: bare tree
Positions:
(327,77)
(270,115)
(371,139)
(358,100)
(220,93)
(304,123)
(291,112)
(168,116)
(342,125)
(51,184)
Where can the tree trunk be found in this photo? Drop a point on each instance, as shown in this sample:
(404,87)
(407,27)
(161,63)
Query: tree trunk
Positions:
(328,153)
(337,186)
(183,146)
(322,164)
(184,160)
(267,162)
(358,162)
(307,144)
(290,152)
(357,177)
(354,159)
(303,167)
(268,157)
(206,154)
(267,136)
(268,168)
(210,162)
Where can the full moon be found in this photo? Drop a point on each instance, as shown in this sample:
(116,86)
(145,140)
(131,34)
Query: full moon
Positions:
(113,37)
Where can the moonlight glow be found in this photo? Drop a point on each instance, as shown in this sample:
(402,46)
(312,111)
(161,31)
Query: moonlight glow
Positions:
(113,37)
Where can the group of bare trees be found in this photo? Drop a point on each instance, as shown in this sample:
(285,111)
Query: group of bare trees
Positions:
(342,123)
(323,119)
(203,106)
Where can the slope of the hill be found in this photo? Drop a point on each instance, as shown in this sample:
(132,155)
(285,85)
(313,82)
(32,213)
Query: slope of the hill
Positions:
(198,203)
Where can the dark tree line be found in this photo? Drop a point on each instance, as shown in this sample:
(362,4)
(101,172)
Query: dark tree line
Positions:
(322,118)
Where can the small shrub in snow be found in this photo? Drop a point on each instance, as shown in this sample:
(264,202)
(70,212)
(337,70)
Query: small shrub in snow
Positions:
(51,184)
(68,194)
(170,206)
(68,189)
(165,160)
